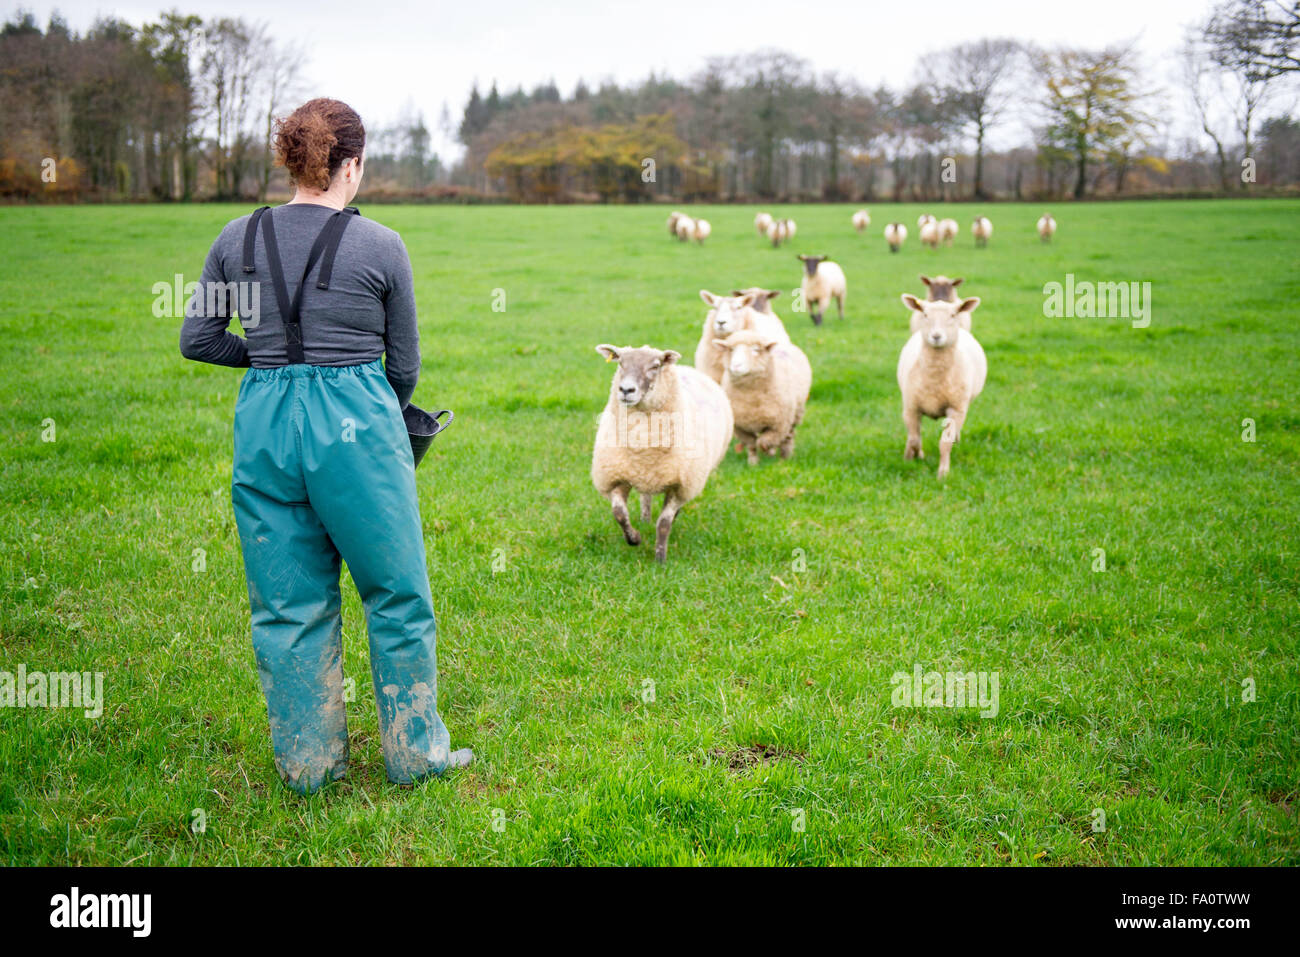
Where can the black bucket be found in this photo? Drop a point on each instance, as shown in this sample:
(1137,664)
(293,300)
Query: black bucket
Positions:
(422,426)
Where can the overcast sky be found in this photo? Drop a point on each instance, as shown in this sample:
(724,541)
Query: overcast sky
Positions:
(379,56)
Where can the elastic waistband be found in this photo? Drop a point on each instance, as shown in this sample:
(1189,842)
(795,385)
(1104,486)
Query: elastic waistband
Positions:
(304,371)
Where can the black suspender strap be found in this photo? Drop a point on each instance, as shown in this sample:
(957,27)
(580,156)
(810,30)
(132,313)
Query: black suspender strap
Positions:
(338,222)
(250,239)
(327,243)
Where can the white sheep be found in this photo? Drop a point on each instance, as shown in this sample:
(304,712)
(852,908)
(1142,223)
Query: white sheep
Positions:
(791,228)
(948,230)
(941,370)
(1046,227)
(702,230)
(930,234)
(728,314)
(672,221)
(923,219)
(861,220)
(767,383)
(981,229)
(685,228)
(895,235)
(822,281)
(664,430)
(762,301)
(761,222)
(780,231)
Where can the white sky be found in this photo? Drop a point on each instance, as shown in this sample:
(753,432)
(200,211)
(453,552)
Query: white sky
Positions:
(380,56)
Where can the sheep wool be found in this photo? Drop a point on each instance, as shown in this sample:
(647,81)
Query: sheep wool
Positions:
(664,429)
(822,281)
(1046,227)
(895,235)
(861,220)
(981,229)
(767,383)
(728,314)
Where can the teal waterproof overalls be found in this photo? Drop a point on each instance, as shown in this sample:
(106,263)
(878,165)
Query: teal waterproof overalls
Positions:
(323,470)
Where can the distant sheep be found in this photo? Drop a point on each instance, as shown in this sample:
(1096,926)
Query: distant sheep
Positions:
(822,281)
(701,231)
(861,220)
(672,221)
(941,370)
(761,222)
(1046,227)
(895,235)
(948,230)
(923,219)
(767,383)
(664,430)
(728,315)
(930,234)
(780,231)
(981,229)
(685,228)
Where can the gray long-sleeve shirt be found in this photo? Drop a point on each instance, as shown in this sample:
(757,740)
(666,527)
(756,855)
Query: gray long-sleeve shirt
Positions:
(368,310)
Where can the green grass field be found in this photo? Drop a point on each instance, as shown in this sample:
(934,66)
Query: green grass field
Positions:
(771,737)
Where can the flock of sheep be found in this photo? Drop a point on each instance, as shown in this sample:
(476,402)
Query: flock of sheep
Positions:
(666,426)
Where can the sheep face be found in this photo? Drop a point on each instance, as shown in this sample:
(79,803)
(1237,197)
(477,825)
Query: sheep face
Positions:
(941,287)
(810,264)
(637,378)
(762,301)
(748,353)
(939,322)
(727,311)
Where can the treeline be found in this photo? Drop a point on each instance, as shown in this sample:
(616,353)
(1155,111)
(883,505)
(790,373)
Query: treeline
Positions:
(179,109)
(767,126)
(183,108)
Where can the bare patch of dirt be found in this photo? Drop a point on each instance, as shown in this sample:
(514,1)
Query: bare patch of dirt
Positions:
(744,758)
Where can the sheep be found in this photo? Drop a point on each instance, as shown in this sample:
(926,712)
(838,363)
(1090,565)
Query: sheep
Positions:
(780,231)
(685,228)
(1046,227)
(767,383)
(981,229)
(761,222)
(895,235)
(861,220)
(672,221)
(822,281)
(762,298)
(728,315)
(923,219)
(930,234)
(941,370)
(948,230)
(942,289)
(664,430)
(702,230)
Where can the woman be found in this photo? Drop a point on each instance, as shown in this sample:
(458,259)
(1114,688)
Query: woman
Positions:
(323,467)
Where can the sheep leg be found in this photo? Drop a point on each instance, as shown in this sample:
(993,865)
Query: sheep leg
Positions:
(672,505)
(951,434)
(912,419)
(787,445)
(769,440)
(839,304)
(618,502)
(647,505)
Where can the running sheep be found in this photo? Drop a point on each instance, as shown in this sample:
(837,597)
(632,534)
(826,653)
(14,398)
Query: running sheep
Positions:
(1046,227)
(672,221)
(663,431)
(895,235)
(730,314)
(981,229)
(941,370)
(822,281)
(778,231)
(861,220)
(701,231)
(761,222)
(767,383)
(930,234)
(685,228)
(948,230)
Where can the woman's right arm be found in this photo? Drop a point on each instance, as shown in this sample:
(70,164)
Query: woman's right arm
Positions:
(204,336)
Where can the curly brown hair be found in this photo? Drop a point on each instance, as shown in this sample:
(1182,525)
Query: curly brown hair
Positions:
(316,139)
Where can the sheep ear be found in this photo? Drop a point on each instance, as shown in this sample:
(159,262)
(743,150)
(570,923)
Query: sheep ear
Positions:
(670,356)
(911,302)
(801,257)
(772,293)
(957,282)
(745,298)
(968,305)
(709,297)
(609,352)
(770,345)
(926,280)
